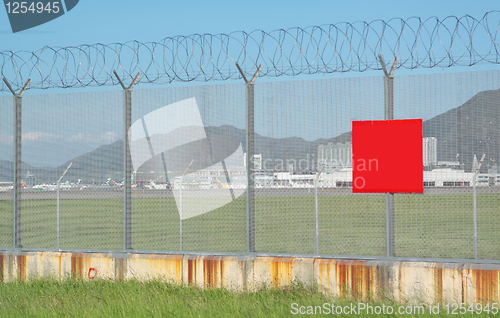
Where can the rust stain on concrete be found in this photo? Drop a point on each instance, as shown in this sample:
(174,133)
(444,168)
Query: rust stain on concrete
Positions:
(352,278)
(325,281)
(438,284)
(281,270)
(344,278)
(191,271)
(21,267)
(326,265)
(465,276)
(60,265)
(486,284)
(328,275)
(213,271)
(360,281)
(178,269)
(1,267)
(77,266)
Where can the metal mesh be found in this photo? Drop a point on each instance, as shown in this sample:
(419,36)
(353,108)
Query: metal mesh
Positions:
(82,129)
(298,127)
(191,176)
(6,172)
(488,205)
(460,111)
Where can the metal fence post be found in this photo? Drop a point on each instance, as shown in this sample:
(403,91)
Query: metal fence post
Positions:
(18,102)
(127,162)
(316,179)
(181,247)
(389,115)
(59,208)
(250,127)
(474,203)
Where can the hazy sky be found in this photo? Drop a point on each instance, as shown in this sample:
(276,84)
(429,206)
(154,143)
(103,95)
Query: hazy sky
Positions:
(106,22)
(96,21)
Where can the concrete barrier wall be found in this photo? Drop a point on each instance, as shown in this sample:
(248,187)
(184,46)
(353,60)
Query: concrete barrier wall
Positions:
(404,281)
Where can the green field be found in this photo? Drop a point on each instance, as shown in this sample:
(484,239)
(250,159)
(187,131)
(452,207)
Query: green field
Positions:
(102,298)
(438,225)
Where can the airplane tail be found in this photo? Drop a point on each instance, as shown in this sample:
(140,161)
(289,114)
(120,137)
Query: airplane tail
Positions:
(224,186)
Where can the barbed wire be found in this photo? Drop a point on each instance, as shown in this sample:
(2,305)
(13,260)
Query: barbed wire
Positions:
(341,47)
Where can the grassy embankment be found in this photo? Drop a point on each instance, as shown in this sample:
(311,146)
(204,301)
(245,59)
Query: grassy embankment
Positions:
(438,225)
(102,298)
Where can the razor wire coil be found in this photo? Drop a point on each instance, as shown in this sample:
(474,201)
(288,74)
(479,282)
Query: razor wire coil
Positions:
(341,47)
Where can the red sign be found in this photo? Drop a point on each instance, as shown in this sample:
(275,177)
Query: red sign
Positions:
(387,156)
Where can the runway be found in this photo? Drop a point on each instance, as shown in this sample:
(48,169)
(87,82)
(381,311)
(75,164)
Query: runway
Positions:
(115,193)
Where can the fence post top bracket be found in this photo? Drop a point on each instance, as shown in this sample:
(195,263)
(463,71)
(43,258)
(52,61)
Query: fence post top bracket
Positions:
(393,67)
(134,81)
(25,87)
(254,77)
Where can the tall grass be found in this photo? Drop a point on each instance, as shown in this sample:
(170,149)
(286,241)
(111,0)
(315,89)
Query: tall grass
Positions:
(105,298)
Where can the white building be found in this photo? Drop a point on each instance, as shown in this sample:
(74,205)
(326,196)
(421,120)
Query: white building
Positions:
(338,154)
(429,147)
(257,161)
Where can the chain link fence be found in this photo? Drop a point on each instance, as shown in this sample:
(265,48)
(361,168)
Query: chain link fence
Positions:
(6,175)
(189,190)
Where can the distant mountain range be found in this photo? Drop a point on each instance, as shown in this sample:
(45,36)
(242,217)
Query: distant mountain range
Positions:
(90,167)
(470,129)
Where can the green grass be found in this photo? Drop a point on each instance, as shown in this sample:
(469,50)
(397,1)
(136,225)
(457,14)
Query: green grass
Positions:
(103,298)
(438,225)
